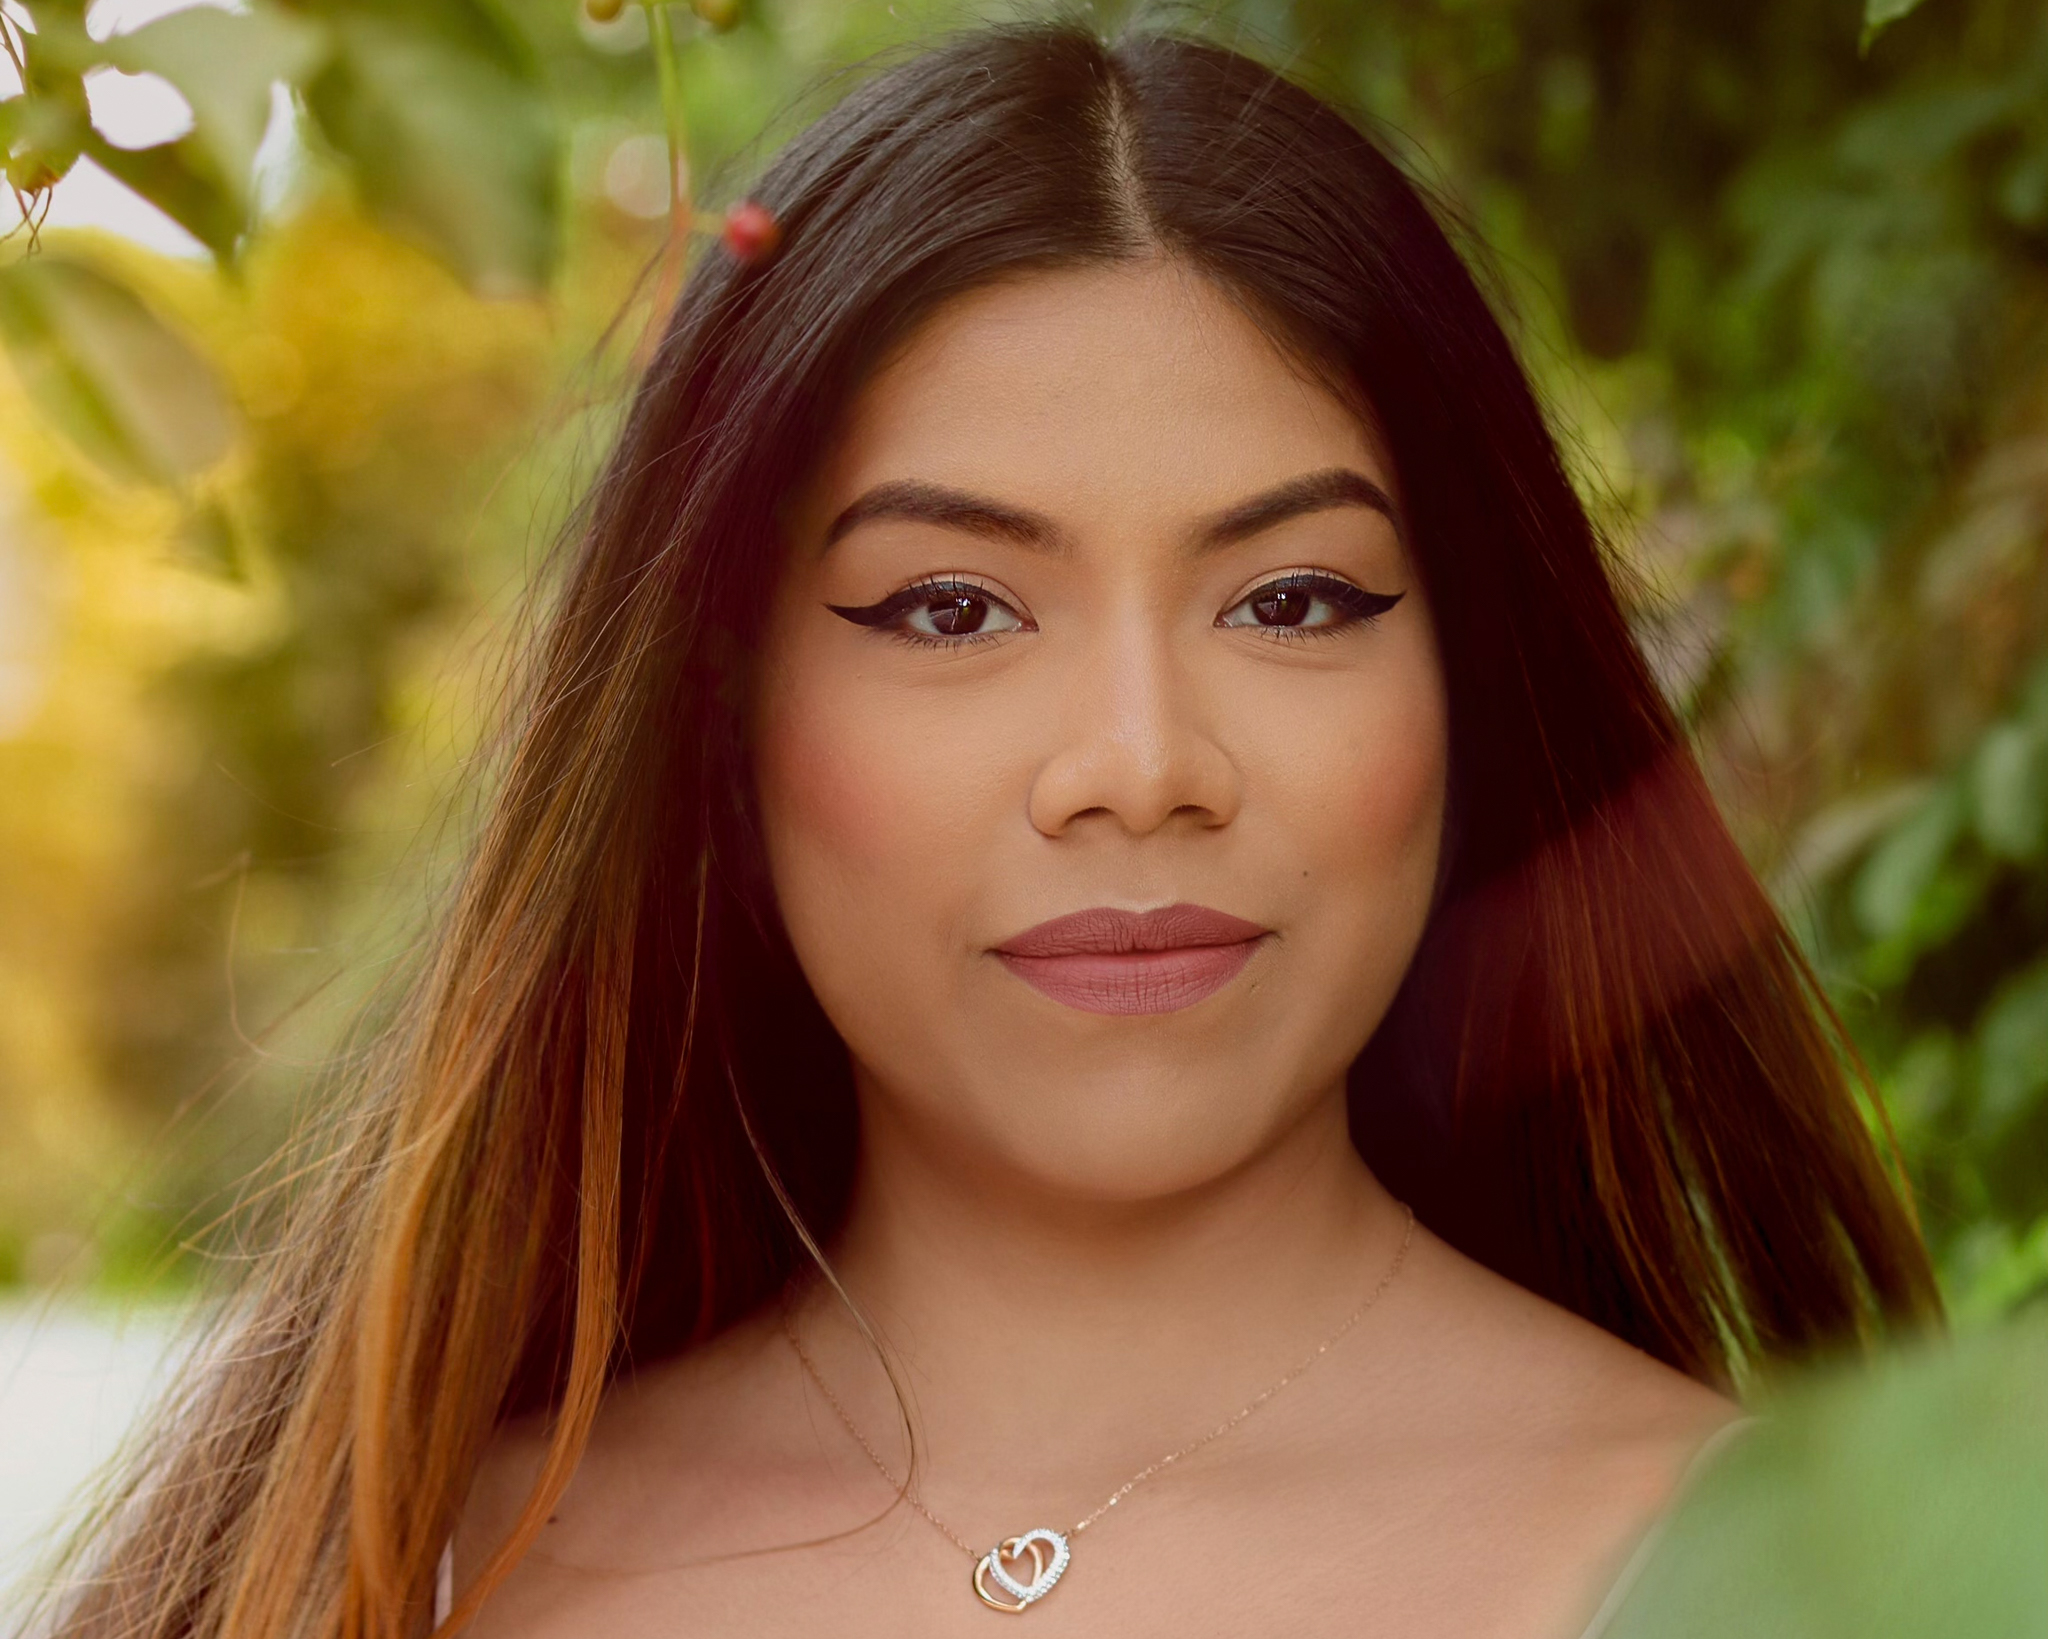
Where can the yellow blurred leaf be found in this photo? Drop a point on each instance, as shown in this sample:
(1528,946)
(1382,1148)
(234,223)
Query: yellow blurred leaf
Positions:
(109,374)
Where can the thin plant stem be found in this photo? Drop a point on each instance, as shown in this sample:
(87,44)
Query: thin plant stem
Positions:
(681,214)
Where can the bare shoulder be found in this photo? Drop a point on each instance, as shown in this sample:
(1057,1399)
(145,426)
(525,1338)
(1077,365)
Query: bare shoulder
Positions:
(1547,1439)
(1486,1468)
(1565,1369)
(1557,1406)
(624,1496)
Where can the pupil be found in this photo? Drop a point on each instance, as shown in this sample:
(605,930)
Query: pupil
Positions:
(959,615)
(1288,606)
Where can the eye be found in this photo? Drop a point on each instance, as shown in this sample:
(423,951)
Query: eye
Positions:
(942,612)
(1305,601)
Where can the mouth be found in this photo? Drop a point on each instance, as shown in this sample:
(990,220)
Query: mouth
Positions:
(1104,960)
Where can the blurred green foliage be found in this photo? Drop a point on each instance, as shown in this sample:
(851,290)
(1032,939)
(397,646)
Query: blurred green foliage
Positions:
(1782,269)
(1892,1503)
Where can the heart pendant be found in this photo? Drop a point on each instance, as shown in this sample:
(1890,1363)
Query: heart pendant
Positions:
(1045,1571)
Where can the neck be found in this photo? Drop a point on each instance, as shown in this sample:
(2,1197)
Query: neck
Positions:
(1050,1345)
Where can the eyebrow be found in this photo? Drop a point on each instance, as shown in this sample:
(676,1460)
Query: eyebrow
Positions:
(924,502)
(1311,492)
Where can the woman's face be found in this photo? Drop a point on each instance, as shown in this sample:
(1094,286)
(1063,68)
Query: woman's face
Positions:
(1098,602)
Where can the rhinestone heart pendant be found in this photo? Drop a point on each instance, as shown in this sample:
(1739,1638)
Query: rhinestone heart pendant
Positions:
(1048,1553)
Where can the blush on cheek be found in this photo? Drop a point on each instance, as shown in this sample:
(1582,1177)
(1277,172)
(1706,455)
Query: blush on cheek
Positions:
(1404,794)
(824,787)
(1397,796)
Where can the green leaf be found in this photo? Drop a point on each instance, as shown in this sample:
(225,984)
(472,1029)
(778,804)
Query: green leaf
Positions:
(164,175)
(43,129)
(2034,699)
(2012,1049)
(1900,1500)
(108,373)
(224,64)
(2022,192)
(40,140)
(2012,1268)
(2009,791)
(1879,15)
(207,538)
(448,134)
(1904,868)
(1921,1083)
(1841,831)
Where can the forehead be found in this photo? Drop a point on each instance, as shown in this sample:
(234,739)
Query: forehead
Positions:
(1093,394)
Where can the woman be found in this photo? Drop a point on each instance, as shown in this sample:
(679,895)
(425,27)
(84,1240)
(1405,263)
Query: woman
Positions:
(1085,763)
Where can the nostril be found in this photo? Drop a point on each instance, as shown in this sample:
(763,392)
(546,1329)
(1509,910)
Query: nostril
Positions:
(1179,777)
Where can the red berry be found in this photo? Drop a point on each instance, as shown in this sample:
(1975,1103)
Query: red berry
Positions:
(751,231)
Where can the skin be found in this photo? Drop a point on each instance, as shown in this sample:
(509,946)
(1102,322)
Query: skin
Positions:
(1085,1239)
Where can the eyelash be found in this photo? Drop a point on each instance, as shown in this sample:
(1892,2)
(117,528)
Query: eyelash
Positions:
(1362,608)
(893,607)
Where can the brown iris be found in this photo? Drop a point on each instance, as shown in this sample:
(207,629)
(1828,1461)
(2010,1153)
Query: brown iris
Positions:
(958,614)
(1283,606)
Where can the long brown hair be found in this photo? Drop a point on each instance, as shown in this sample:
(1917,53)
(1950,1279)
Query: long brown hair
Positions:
(1609,1074)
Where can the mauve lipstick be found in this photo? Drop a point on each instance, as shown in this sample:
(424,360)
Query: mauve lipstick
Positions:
(1104,960)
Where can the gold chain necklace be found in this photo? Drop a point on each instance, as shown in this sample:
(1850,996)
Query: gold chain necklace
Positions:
(1049,1550)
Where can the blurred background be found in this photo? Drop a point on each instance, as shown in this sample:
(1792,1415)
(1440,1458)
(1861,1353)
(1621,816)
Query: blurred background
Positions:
(314,315)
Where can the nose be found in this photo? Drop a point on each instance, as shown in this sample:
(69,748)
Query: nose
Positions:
(1134,743)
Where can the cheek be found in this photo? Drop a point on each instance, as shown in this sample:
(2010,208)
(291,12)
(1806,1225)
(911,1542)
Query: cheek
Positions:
(877,834)
(1371,808)
(823,791)
(1398,792)
(867,795)
(840,804)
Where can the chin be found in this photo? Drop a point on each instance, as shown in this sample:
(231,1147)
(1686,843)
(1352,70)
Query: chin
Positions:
(1136,1135)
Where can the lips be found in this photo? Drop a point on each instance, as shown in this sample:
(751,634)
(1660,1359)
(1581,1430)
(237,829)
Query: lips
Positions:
(1104,960)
